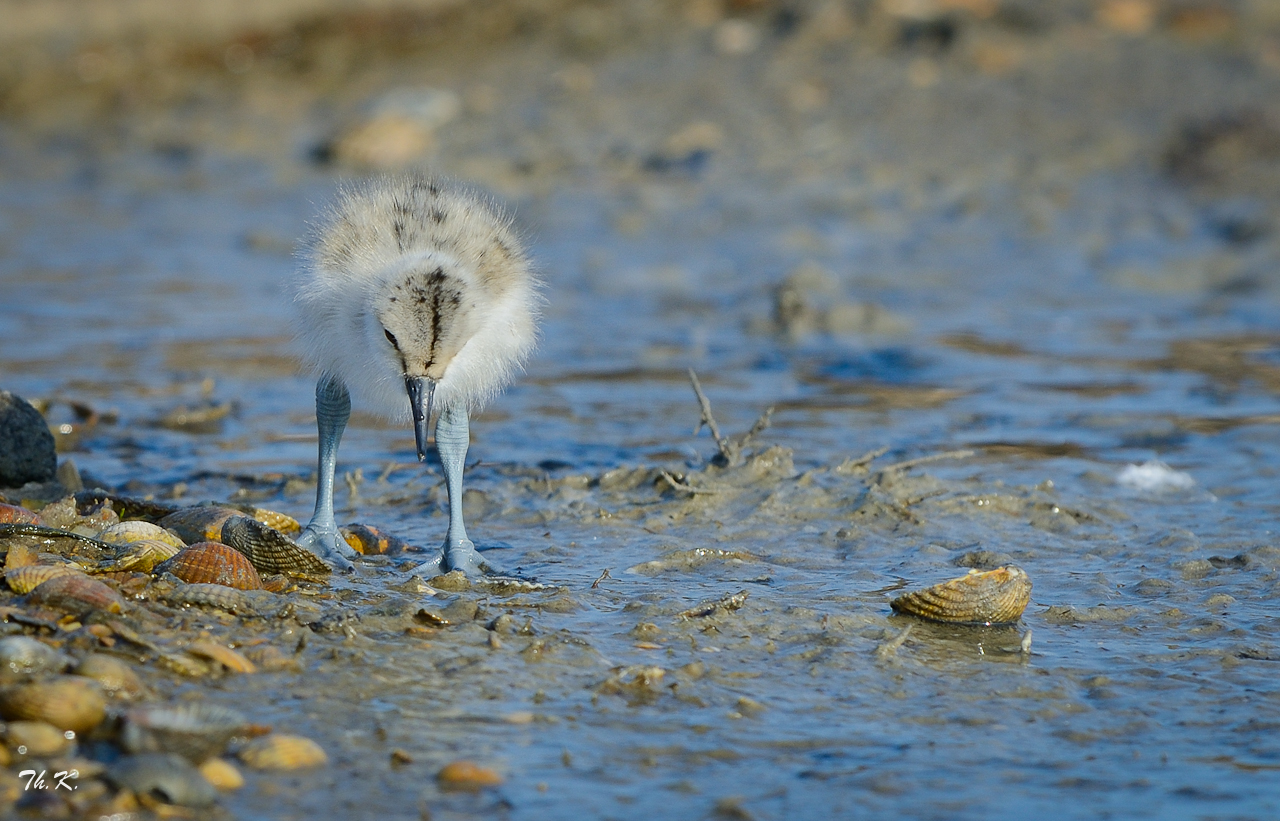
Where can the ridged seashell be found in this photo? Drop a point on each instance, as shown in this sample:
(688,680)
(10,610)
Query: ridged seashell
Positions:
(141,556)
(369,540)
(24,656)
(115,676)
(468,776)
(122,533)
(19,555)
(17,515)
(270,550)
(195,731)
(202,523)
(222,774)
(981,597)
(67,702)
(282,522)
(282,752)
(211,595)
(26,578)
(36,739)
(225,656)
(213,563)
(76,594)
(168,777)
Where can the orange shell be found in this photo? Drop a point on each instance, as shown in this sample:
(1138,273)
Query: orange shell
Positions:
(76,593)
(26,578)
(282,752)
(370,540)
(202,523)
(982,597)
(13,514)
(468,776)
(212,563)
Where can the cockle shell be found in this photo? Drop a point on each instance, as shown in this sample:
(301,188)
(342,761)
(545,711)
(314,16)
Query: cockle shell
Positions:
(982,597)
(195,731)
(22,656)
(141,556)
(122,533)
(67,702)
(77,594)
(282,522)
(282,752)
(231,659)
(222,774)
(269,550)
(36,738)
(202,523)
(212,563)
(211,595)
(116,677)
(26,578)
(17,515)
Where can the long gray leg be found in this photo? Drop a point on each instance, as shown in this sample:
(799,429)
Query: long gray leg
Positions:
(321,536)
(452,437)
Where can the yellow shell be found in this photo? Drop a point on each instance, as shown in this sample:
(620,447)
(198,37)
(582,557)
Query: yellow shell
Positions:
(222,774)
(67,702)
(468,776)
(122,533)
(225,656)
(115,676)
(282,522)
(202,523)
(982,597)
(141,556)
(36,738)
(282,752)
(26,578)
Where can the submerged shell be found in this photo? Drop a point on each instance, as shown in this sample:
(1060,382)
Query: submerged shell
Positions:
(17,515)
(202,523)
(19,555)
(282,752)
(122,533)
(141,556)
(24,656)
(981,597)
(164,776)
(195,731)
(225,656)
(211,595)
(370,540)
(77,594)
(28,577)
(213,563)
(269,550)
(36,738)
(66,702)
(115,676)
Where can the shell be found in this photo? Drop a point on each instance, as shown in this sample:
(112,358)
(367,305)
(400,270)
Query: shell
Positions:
(370,540)
(24,656)
(212,563)
(116,677)
(982,597)
(19,555)
(26,578)
(168,777)
(282,522)
(17,515)
(270,550)
(282,752)
(467,775)
(222,774)
(202,523)
(196,731)
(122,533)
(76,594)
(225,656)
(141,556)
(36,739)
(67,702)
(211,595)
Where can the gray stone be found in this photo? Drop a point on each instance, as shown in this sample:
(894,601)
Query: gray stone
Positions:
(26,445)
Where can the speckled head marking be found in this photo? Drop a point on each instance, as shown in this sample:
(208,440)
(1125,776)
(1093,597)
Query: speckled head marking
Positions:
(425,315)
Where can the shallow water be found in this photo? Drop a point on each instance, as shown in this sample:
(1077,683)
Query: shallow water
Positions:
(1062,316)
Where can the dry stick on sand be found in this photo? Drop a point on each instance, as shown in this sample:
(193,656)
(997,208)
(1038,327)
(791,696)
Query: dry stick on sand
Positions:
(730,449)
(936,457)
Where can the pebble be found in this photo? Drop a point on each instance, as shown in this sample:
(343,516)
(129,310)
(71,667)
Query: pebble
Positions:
(26,446)
(467,776)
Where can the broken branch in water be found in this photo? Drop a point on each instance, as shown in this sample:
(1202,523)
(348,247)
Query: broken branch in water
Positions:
(730,449)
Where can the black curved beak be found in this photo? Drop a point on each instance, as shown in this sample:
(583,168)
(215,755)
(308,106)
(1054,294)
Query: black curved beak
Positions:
(421,390)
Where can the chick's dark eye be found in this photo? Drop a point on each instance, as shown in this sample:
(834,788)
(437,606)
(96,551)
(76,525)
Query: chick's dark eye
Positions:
(391,339)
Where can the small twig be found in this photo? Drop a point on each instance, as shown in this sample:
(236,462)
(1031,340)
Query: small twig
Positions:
(865,459)
(936,457)
(705,405)
(765,420)
(603,576)
(890,647)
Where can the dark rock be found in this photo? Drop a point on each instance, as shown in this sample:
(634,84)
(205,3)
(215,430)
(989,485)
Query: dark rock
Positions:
(26,445)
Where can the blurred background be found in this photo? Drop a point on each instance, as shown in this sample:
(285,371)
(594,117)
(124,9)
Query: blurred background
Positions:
(1041,231)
